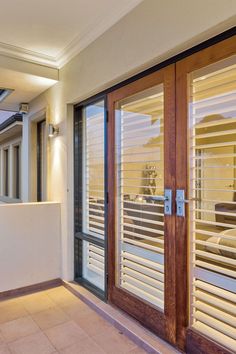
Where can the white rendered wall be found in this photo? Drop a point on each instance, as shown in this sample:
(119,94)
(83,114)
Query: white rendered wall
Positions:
(155,30)
(30,239)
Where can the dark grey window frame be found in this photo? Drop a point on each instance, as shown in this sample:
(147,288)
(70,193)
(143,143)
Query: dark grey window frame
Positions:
(6,172)
(80,236)
(39,159)
(17,166)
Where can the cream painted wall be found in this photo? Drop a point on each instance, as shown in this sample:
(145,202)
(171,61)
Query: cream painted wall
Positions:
(152,32)
(30,240)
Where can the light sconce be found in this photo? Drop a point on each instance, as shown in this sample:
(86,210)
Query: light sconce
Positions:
(52,130)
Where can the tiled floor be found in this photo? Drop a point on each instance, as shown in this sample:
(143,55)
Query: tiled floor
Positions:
(56,321)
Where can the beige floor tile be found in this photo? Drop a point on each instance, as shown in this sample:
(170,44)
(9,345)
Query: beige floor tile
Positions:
(64,335)
(11,310)
(93,324)
(37,302)
(114,341)
(18,328)
(137,350)
(2,340)
(4,349)
(57,290)
(84,346)
(62,297)
(36,343)
(50,317)
(77,310)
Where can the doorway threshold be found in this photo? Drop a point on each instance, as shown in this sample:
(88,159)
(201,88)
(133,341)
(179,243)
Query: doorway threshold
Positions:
(123,322)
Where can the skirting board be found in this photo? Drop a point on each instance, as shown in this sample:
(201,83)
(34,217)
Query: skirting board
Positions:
(31,289)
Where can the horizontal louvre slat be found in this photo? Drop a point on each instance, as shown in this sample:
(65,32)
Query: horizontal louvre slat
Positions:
(144,261)
(216,257)
(216,245)
(217,123)
(97,232)
(199,221)
(212,300)
(145,198)
(96,257)
(214,234)
(142,286)
(142,236)
(143,245)
(142,212)
(100,219)
(148,221)
(217,291)
(145,270)
(215,324)
(214,312)
(97,264)
(214,190)
(96,211)
(228,98)
(142,294)
(210,146)
(155,231)
(213,212)
(96,269)
(96,249)
(218,156)
(216,268)
(218,280)
(143,278)
(219,133)
(215,335)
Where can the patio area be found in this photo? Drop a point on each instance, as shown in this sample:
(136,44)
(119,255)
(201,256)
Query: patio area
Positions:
(56,321)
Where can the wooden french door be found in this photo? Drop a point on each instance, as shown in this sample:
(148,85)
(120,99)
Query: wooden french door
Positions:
(141,201)
(206,172)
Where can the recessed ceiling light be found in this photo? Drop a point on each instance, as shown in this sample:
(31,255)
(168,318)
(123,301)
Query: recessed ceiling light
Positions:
(4,93)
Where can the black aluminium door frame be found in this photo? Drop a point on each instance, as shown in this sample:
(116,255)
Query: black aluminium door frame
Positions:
(39,157)
(79,237)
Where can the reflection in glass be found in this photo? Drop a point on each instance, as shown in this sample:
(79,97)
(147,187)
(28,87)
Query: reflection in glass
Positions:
(212,161)
(140,177)
(93,191)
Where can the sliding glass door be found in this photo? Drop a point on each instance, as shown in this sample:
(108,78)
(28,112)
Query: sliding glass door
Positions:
(90,195)
(141,175)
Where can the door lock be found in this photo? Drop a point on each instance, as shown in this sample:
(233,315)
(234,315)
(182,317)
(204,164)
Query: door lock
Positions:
(167,199)
(180,202)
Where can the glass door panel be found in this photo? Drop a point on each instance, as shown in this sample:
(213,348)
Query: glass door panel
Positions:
(141,173)
(93,192)
(212,191)
(90,214)
(93,167)
(140,180)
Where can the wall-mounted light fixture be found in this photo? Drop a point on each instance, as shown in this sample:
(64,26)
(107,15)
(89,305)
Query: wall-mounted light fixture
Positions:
(52,130)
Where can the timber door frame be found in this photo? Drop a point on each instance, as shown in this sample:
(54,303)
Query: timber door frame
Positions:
(162,323)
(196,342)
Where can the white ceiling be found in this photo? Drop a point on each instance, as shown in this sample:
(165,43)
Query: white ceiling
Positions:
(26,87)
(47,34)
(52,31)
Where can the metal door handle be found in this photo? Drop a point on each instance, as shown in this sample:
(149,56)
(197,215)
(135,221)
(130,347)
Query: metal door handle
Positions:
(180,202)
(167,199)
(160,198)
